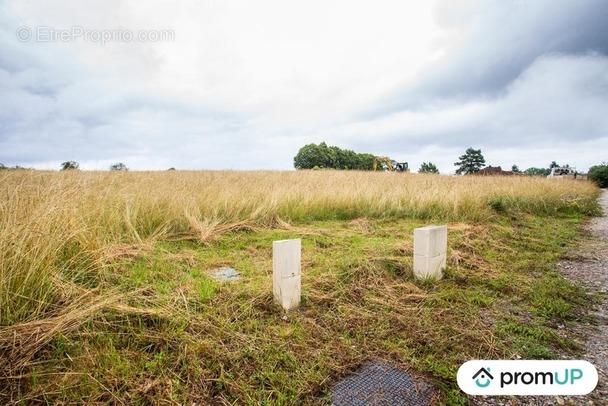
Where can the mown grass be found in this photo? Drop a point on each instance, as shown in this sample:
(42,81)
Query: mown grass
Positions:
(106,295)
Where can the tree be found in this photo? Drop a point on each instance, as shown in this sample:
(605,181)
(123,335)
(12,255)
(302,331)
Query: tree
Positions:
(342,158)
(537,172)
(472,161)
(322,156)
(119,167)
(14,168)
(428,168)
(69,165)
(365,162)
(310,156)
(553,165)
(599,174)
(515,169)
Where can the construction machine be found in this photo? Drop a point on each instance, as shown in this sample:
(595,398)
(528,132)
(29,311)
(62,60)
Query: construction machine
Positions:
(384,163)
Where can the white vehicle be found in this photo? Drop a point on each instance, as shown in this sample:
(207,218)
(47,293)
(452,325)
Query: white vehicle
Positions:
(564,172)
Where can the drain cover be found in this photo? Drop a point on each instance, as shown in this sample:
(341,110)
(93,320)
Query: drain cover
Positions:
(225,275)
(380,384)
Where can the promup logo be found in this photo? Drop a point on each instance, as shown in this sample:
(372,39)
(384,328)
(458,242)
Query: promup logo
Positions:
(484,375)
(527,377)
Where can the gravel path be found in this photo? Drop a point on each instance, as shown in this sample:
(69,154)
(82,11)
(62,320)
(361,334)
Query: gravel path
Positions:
(592,271)
(590,268)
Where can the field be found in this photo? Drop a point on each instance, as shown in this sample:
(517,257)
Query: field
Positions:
(105,294)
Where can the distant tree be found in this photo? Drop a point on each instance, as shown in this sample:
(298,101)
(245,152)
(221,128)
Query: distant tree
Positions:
(14,168)
(322,156)
(311,155)
(472,161)
(515,169)
(553,165)
(119,167)
(599,174)
(341,158)
(537,171)
(171,169)
(365,162)
(69,165)
(428,168)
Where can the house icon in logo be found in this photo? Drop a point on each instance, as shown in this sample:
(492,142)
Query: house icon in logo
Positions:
(484,375)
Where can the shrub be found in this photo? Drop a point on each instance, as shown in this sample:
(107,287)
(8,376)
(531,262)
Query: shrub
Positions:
(599,174)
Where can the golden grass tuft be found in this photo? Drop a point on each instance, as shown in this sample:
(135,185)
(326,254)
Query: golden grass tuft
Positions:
(19,343)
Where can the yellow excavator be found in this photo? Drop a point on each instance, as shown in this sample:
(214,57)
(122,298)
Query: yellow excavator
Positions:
(384,163)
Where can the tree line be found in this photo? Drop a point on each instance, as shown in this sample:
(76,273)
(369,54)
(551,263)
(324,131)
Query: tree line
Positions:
(68,166)
(72,165)
(322,156)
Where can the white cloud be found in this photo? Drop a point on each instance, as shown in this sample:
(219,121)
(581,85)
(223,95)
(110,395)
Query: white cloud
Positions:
(244,84)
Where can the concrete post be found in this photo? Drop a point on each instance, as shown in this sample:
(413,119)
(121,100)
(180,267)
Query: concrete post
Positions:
(286,276)
(430,251)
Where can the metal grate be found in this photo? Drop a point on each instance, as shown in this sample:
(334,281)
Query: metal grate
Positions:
(379,384)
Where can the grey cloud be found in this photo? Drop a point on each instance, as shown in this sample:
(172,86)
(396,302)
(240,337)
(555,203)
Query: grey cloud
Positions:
(52,109)
(531,76)
(506,38)
(560,100)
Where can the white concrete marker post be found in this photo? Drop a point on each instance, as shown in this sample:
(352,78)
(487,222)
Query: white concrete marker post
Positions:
(430,251)
(286,272)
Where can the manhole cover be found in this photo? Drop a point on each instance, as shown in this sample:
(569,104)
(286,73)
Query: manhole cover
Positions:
(225,275)
(380,384)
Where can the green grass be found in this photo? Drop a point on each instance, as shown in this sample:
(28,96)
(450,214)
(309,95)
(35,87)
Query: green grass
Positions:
(200,340)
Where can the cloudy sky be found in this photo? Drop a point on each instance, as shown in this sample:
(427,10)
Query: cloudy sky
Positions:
(240,84)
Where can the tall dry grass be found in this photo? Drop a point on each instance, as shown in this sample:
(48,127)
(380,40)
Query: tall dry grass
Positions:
(61,228)
(59,232)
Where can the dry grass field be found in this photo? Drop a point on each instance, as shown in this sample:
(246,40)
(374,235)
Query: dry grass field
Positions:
(105,294)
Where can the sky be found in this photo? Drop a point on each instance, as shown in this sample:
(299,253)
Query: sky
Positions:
(243,85)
